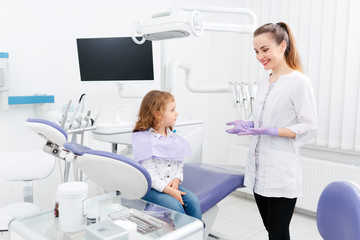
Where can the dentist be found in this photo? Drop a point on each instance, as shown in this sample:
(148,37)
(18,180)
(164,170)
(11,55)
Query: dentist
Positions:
(284,118)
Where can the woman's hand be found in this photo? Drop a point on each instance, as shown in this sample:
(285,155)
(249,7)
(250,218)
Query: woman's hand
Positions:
(260,131)
(239,126)
(175,193)
(174,183)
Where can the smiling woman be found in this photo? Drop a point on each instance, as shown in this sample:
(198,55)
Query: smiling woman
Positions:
(284,118)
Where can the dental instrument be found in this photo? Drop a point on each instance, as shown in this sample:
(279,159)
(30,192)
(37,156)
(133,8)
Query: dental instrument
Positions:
(251,95)
(79,107)
(65,113)
(237,99)
(244,92)
(86,120)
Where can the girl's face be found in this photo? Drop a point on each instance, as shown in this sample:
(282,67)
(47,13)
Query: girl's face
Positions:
(168,118)
(268,52)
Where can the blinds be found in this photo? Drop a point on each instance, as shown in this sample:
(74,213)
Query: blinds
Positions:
(328,39)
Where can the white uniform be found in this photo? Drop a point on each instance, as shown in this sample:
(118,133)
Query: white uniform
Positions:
(289,103)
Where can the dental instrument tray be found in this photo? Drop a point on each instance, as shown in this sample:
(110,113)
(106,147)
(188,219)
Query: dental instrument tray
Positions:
(144,222)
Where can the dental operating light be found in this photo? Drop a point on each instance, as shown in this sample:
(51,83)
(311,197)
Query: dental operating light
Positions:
(183,22)
(169,24)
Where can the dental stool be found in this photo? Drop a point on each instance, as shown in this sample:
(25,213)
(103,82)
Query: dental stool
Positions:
(338,211)
(26,167)
(114,172)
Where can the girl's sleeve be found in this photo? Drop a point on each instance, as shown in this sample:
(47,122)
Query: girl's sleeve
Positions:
(179,172)
(157,183)
(305,108)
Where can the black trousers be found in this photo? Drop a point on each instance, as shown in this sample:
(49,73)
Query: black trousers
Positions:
(276,214)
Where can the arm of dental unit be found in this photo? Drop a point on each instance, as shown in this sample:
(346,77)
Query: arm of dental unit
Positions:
(172,68)
(242,92)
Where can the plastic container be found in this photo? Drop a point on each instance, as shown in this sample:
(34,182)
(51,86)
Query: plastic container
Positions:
(70,196)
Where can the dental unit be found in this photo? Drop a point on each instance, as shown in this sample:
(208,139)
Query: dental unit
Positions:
(114,172)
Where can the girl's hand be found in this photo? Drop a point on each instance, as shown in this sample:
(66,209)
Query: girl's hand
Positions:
(174,183)
(175,193)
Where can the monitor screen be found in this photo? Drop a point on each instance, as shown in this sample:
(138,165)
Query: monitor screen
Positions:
(115,59)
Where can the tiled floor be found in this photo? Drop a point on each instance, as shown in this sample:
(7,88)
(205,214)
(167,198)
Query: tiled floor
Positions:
(239,219)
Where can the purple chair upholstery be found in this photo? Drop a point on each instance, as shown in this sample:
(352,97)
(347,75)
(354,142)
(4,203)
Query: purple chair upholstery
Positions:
(338,212)
(211,183)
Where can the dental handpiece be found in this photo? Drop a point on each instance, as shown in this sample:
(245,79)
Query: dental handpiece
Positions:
(86,121)
(82,102)
(236,97)
(244,98)
(251,93)
(65,113)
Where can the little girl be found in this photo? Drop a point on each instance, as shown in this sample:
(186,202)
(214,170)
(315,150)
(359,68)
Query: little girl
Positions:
(158,149)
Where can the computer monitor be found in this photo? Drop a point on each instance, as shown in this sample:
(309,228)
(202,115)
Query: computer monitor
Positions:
(117,59)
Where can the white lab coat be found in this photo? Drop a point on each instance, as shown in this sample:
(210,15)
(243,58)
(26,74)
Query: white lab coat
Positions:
(290,104)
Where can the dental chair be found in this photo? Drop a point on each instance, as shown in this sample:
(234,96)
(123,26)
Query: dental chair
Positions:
(25,167)
(338,211)
(114,172)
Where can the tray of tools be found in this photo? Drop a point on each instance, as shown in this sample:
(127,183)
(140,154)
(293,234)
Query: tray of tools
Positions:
(145,223)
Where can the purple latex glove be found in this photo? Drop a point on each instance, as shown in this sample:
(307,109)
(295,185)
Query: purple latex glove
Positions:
(272,131)
(239,126)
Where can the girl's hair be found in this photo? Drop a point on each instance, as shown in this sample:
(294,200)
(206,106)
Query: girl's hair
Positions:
(281,32)
(154,101)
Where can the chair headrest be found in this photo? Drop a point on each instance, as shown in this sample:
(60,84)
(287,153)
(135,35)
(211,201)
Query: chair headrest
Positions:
(49,130)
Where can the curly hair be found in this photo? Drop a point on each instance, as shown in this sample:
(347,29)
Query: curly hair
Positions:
(153,102)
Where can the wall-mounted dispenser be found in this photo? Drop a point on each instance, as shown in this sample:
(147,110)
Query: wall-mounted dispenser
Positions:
(4,80)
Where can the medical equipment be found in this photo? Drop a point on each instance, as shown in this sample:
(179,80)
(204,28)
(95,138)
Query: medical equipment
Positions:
(43,226)
(65,113)
(4,80)
(243,98)
(114,172)
(178,23)
(185,21)
(169,24)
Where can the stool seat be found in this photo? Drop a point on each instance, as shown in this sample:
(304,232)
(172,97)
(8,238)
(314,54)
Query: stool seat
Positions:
(16,210)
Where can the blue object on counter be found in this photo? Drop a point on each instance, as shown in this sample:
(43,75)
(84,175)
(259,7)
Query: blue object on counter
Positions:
(13,100)
(4,55)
